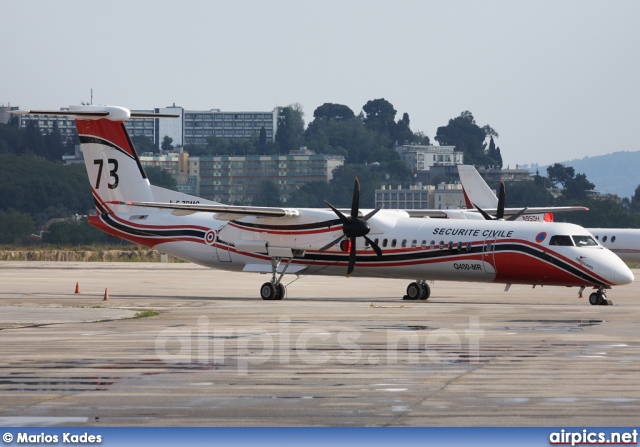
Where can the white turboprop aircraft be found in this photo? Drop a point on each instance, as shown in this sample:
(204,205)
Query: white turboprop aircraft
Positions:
(383,243)
(625,242)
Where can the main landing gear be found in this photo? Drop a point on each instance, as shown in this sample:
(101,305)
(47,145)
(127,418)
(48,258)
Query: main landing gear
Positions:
(418,290)
(274,289)
(599,298)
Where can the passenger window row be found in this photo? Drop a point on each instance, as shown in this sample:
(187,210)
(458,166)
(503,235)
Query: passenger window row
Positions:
(414,243)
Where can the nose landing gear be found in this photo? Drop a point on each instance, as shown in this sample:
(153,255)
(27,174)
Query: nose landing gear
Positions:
(599,298)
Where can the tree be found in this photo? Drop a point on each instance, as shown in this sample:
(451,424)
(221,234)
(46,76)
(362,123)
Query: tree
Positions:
(290,128)
(262,141)
(602,214)
(526,193)
(348,137)
(55,147)
(268,195)
(420,138)
(14,227)
(338,112)
(12,137)
(634,202)
(143,144)
(402,130)
(560,174)
(380,117)
(578,188)
(159,177)
(37,186)
(167,143)
(77,232)
(541,181)
(32,140)
(463,133)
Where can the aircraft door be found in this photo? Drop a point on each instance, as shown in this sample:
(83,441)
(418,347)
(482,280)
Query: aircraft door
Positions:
(222,249)
(488,255)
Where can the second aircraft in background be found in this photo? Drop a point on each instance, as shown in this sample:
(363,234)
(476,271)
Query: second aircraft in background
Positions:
(624,242)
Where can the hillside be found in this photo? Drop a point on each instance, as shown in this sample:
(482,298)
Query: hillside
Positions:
(616,173)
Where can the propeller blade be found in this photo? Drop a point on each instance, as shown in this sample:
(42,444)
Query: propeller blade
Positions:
(352,257)
(518,214)
(355,201)
(501,200)
(483,212)
(371,214)
(374,246)
(332,243)
(342,217)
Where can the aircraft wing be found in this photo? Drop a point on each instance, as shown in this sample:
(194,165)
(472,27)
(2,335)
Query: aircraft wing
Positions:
(233,212)
(474,214)
(439,214)
(538,210)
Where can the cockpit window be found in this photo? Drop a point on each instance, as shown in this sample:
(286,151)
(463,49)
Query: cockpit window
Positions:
(560,240)
(584,241)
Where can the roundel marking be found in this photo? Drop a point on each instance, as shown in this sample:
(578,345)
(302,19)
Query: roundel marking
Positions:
(210,237)
(541,237)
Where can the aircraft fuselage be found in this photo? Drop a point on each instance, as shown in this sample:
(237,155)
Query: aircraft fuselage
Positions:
(429,249)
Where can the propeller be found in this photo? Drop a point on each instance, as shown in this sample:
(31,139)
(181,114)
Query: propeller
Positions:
(500,210)
(354,227)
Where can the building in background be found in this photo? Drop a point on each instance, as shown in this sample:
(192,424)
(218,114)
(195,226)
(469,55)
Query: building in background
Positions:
(431,164)
(179,165)
(443,196)
(192,126)
(419,157)
(45,123)
(492,174)
(237,180)
(5,116)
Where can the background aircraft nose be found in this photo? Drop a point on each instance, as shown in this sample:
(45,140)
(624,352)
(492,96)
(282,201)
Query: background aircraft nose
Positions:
(623,275)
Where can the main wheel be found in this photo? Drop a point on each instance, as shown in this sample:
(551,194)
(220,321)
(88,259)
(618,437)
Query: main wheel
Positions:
(280,291)
(426,292)
(268,291)
(595,299)
(414,291)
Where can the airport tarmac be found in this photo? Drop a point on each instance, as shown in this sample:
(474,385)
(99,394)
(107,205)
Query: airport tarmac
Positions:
(335,352)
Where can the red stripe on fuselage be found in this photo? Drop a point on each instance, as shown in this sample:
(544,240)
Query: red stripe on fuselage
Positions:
(150,242)
(520,268)
(239,226)
(552,253)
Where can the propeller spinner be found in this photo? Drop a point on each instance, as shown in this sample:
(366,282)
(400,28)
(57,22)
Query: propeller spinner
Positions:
(354,227)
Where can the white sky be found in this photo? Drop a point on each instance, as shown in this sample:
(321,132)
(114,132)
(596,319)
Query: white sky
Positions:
(557,79)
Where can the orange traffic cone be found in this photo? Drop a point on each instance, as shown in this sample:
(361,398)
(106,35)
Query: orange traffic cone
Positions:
(106,295)
(77,288)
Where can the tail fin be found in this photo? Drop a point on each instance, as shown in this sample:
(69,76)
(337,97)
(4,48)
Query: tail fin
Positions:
(475,188)
(112,163)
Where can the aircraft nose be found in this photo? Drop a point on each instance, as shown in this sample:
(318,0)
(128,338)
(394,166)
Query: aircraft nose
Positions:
(623,275)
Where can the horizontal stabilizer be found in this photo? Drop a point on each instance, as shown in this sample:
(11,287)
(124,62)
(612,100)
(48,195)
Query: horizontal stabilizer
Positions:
(97,112)
(257,211)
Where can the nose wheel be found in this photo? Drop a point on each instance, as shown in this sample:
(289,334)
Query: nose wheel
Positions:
(599,298)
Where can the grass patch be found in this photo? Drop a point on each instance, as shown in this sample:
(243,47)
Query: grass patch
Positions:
(146,313)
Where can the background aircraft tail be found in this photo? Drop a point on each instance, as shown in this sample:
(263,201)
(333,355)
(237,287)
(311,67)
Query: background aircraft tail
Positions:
(476,189)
